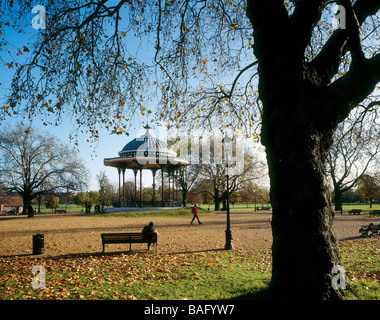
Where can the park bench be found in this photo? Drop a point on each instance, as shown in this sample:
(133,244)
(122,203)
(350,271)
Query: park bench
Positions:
(108,238)
(370,230)
(374,213)
(59,211)
(263,208)
(355,211)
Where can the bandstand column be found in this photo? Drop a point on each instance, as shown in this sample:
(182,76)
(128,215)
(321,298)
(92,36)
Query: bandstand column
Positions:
(123,169)
(154,185)
(162,184)
(141,190)
(135,173)
(169,184)
(176,181)
(174,185)
(119,172)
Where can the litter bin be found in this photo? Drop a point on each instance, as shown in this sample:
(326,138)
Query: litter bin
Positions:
(38,244)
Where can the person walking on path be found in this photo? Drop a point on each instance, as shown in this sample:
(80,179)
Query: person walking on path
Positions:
(195,214)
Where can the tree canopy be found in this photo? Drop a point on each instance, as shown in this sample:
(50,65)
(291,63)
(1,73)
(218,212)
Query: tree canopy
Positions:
(191,59)
(177,55)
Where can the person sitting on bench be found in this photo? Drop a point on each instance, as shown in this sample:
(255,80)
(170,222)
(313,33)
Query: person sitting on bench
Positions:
(149,229)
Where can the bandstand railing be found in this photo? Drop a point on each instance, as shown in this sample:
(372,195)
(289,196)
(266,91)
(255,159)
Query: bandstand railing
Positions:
(129,204)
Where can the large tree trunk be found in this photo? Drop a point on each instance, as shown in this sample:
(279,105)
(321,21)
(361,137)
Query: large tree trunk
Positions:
(216,203)
(304,245)
(27,208)
(224,204)
(338,197)
(27,197)
(184,194)
(297,130)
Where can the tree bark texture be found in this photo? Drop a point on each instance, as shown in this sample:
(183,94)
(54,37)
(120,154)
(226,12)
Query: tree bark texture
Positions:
(27,198)
(301,110)
(304,245)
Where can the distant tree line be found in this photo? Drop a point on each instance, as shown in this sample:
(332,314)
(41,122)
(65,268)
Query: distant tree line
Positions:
(366,190)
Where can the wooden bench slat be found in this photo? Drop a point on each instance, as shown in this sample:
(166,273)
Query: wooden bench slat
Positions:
(370,230)
(355,211)
(109,238)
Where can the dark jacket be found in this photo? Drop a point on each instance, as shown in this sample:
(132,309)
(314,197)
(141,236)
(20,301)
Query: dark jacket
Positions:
(149,229)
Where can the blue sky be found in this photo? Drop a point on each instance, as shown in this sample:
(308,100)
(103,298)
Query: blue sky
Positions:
(92,154)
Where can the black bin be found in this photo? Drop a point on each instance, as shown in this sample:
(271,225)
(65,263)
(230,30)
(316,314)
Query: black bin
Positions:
(38,244)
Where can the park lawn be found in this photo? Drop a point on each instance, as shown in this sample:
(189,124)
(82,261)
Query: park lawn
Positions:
(211,275)
(68,207)
(141,276)
(363,206)
(243,207)
(361,260)
(238,207)
(155,213)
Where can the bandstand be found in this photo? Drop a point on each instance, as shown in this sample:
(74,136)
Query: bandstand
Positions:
(148,153)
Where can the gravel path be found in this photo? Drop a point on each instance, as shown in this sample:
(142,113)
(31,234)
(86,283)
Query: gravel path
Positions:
(80,233)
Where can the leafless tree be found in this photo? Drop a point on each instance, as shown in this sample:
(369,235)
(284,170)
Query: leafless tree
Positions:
(33,163)
(355,150)
(212,178)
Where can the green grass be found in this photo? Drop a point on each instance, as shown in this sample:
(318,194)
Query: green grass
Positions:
(67,207)
(363,206)
(361,260)
(155,213)
(239,207)
(207,275)
(204,275)
(243,207)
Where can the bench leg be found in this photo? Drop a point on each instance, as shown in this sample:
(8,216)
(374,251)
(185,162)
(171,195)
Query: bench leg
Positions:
(130,246)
